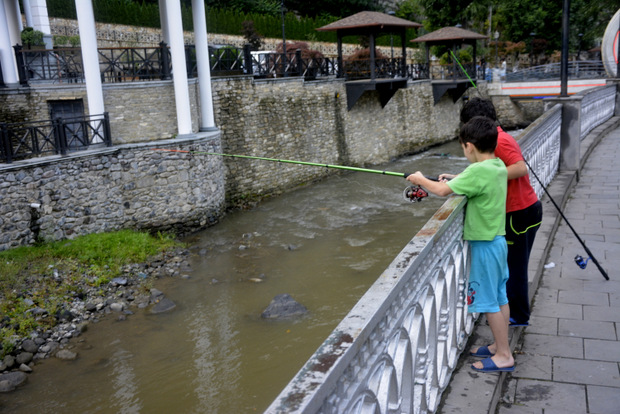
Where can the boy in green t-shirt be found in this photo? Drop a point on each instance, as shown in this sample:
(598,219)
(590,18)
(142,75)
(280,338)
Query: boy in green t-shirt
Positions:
(484,182)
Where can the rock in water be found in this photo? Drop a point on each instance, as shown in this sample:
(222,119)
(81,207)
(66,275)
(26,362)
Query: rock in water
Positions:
(66,355)
(283,306)
(11,380)
(163,305)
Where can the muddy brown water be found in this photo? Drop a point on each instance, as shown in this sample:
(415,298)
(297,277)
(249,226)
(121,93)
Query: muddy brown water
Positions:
(324,244)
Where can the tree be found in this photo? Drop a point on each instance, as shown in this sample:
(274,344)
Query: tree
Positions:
(251,35)
(340,8)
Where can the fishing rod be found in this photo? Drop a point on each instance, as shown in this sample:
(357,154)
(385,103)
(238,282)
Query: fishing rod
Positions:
(463,69)
(411,193)
(580,261)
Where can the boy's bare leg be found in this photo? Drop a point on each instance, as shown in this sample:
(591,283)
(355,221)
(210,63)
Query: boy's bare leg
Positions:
(505,311)
(498,321)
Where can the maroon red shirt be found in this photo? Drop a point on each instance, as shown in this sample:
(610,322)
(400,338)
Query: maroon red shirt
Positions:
(520,192)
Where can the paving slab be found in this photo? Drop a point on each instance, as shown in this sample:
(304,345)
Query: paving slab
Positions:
(587,329)
(533,366)
(580,371)
(536,394)
(583,298)
(601,313)
(601,350)
(603,400)
(559,310)
(552,345)
(543,325)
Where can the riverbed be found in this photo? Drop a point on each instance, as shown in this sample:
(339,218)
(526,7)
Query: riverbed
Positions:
(324,244)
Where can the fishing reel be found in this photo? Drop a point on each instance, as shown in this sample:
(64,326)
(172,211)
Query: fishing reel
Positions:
(414,193)
(581,262)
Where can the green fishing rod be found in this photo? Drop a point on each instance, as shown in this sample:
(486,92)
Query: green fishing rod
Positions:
(412,193)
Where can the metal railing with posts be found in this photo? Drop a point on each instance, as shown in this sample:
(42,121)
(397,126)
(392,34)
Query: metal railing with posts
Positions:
(540,145)
(132,64)
(597,106)
(46,65)
(116,64)
(25,140)
(576,70)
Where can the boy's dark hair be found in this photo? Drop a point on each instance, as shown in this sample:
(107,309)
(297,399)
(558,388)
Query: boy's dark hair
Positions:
(480,131)
(478,107)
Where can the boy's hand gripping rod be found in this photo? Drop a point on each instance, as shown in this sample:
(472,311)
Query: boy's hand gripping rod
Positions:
(411,193)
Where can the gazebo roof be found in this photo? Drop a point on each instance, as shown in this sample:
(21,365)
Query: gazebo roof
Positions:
(450,35)
(368,19)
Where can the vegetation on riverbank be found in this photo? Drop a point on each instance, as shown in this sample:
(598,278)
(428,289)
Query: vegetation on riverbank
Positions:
(38,282)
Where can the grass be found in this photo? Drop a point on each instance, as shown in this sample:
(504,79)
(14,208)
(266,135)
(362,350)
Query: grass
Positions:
(51,275)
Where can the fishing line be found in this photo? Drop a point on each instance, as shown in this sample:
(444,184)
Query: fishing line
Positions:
(578,259)
(414,194)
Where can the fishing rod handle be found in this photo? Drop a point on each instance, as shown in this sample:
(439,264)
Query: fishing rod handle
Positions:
(428,177)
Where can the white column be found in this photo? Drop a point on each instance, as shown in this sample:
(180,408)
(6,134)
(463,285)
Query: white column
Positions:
(13,18)
(28,13)
(207,121)
(41,21)
(90,56)
(163,21)
(179,69)
(7,56)
(20,25)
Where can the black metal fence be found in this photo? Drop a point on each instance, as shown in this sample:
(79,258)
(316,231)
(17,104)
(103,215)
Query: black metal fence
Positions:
(58,136)
(154,63)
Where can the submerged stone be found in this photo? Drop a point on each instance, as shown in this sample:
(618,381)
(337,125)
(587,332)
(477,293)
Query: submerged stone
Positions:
(283,306)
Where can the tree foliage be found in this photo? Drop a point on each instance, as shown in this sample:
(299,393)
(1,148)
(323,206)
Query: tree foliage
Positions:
(533,22)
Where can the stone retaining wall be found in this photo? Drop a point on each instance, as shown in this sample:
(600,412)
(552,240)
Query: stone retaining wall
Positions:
(309,121)
(130,186)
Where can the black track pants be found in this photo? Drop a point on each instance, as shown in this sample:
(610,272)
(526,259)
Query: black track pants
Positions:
(521,228)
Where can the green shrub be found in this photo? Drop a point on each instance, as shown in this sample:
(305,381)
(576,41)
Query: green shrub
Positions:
(31,37)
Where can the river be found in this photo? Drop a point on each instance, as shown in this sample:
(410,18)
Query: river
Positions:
(324,244)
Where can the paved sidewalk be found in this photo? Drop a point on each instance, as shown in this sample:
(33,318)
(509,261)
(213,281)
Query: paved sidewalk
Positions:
(568,359)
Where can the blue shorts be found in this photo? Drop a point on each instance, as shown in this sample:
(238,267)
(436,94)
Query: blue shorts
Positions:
(486,290)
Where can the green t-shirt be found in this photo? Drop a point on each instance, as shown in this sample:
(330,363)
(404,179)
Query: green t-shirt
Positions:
(484,184)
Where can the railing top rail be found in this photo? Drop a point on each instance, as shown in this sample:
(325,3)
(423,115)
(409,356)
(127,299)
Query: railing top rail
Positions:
(529,133)
(584,69)
(611,88)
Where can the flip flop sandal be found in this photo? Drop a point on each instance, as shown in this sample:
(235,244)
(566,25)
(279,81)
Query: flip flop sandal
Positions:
(489,366)
(482,352)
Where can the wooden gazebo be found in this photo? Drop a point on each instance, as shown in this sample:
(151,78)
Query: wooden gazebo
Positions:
(453,37)
(373,25)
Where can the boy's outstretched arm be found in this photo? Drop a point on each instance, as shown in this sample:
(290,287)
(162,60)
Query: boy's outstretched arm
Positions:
(436,187)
